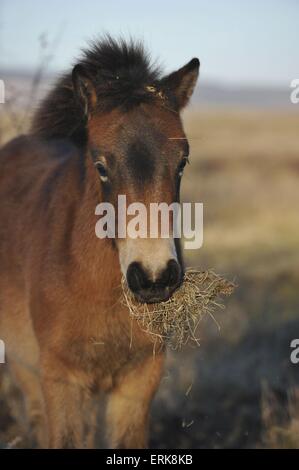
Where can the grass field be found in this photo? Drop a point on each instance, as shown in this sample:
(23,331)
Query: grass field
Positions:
(239,389)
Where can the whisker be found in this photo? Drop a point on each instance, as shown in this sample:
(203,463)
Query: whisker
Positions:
(177,138)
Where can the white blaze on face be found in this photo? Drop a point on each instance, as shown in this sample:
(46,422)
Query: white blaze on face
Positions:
(152,253)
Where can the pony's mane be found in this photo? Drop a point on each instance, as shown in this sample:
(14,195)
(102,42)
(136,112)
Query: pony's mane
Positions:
(120,71)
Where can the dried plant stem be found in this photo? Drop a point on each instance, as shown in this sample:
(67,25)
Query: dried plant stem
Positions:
(176,320)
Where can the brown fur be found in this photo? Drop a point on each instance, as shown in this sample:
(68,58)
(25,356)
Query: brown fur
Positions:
(66,334)
(54,314)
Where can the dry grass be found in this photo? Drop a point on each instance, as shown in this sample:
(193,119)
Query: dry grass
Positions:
(176,320)
(244,168)
(280,435)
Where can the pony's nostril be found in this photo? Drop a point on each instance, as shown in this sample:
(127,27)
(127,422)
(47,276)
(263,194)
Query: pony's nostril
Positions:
(171,275)
(136,277)
(175,272)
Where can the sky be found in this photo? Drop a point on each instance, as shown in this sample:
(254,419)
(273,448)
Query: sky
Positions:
(239,42)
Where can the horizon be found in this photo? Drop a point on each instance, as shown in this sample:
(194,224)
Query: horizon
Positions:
(16,72)
(261,53)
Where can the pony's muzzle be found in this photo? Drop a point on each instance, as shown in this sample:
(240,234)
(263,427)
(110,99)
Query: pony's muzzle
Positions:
(149,290)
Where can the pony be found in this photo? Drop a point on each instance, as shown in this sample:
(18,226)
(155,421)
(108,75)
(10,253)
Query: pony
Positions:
(110,126)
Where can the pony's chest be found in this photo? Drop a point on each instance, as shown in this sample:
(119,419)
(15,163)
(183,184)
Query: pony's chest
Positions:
(103,351)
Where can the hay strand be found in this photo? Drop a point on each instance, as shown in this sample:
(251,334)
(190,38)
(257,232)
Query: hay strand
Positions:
(176,320)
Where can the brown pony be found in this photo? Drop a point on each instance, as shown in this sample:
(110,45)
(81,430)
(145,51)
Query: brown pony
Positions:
(110,127)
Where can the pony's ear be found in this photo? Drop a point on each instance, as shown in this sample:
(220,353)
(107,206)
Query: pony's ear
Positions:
(182,82)
(83,88)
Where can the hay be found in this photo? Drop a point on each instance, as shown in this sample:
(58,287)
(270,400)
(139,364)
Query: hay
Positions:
(176,320)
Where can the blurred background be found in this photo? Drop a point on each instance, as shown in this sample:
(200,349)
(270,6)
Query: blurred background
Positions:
(239,389)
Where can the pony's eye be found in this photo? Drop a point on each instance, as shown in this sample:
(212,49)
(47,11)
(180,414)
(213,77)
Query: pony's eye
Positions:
(102,171)
(182,166)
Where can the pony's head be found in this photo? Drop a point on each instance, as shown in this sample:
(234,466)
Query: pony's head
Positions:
(135,138)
